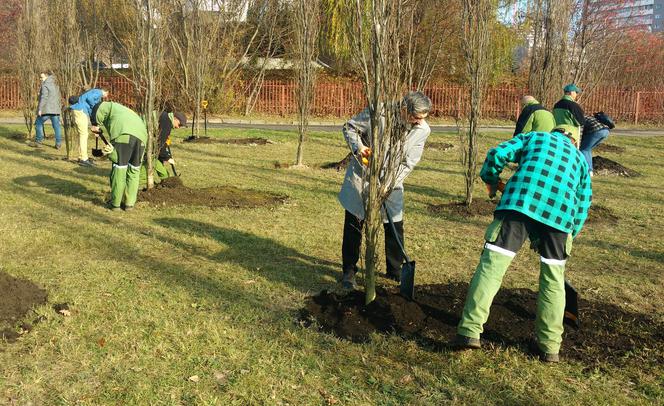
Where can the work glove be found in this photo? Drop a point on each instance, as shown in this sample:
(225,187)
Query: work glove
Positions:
(107,149)
(494,189)
(171,161)
(365,153)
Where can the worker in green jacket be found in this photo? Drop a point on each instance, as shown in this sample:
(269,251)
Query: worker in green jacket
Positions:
(547,200)
(568,112)
(533,117)
(128,136)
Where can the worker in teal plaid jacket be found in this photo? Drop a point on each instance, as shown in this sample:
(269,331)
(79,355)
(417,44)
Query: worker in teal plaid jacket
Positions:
(547,200)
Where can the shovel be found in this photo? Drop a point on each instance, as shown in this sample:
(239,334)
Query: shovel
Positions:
(96,151)
(407,285)
(172,165)
(571,305)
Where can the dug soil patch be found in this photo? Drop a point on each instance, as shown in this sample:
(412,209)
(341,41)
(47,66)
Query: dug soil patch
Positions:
(609,148)
(606,167)
(234,141)
(17,298)
(171,192)
(477,208)
(441,146)
(601,215)
(608,334)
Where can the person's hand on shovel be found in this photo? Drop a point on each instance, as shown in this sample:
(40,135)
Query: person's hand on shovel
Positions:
(95,130)
(494,189)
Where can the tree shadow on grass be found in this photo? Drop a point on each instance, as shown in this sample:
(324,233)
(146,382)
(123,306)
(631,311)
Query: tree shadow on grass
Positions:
(59,186)
(257,254)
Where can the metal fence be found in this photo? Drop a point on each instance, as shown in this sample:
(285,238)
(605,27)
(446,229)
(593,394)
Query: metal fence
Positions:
(342,99)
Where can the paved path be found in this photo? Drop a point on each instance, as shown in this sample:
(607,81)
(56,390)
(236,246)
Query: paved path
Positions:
(336,126)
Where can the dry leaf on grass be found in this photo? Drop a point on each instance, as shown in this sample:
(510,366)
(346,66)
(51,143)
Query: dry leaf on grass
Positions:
(194,378)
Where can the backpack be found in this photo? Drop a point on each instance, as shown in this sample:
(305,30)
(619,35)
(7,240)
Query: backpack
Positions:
(605,119)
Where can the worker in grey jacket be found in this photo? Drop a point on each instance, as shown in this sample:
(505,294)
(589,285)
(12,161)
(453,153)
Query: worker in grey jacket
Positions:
(357,132)
(48,108)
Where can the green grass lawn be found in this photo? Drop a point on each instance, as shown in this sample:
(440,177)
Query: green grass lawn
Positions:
(161,295)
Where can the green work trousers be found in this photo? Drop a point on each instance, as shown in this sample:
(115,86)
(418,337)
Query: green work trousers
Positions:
(126,158)
(159,169)
(504,238)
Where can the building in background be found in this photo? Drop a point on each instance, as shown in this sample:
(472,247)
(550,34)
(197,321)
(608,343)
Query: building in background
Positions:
(640,14)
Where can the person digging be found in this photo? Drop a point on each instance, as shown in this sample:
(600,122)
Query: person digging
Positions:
(415,108)
(127,138)
(547,200)
(81,109)
(167,122)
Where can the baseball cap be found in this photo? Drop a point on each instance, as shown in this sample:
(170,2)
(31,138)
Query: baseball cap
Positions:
(572,88)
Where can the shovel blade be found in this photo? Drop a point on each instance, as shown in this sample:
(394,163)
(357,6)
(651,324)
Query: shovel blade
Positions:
(407,286)
(571,305)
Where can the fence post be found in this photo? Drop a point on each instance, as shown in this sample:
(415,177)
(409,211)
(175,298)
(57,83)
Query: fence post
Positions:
(283,100)
(637,104)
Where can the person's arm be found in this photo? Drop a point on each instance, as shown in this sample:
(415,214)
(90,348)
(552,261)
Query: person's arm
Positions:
(584,194)
(43,96)
(355,128)
(525,122)
(498,157)
(413,150)
(165,128)
(578,114)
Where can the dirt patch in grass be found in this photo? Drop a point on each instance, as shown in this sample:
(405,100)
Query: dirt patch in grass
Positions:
(235,141)
(606,167)
(477,208)
(441,146)
(608,334)
(601,215)
(17,298)
(609,148)
(171,192)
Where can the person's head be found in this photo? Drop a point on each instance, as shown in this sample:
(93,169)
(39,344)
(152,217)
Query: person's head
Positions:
(415,107)
(527,99)
(179,120)
(572,91)
(72,100)
(569,131)
(43,75)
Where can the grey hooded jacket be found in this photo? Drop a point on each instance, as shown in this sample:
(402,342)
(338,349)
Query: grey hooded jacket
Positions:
(49,97)
(353,188)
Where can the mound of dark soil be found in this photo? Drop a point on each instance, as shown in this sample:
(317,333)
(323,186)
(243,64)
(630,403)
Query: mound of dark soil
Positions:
(606,167)
(442,146)
(171,192)
(477,208)
(609,148)
(601,215)
(17,298)
(608,333)
(340,165)
(235,141)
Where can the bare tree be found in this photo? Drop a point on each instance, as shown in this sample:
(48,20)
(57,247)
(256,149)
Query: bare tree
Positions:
(430,25)
(144,49)
(65,57)
(375,27)
(273,30)
(306,23)
(90,31)
(476,22)
(550,53)
(30,56)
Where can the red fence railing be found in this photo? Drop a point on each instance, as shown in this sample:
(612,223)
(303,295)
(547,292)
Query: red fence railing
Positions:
(342,99)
